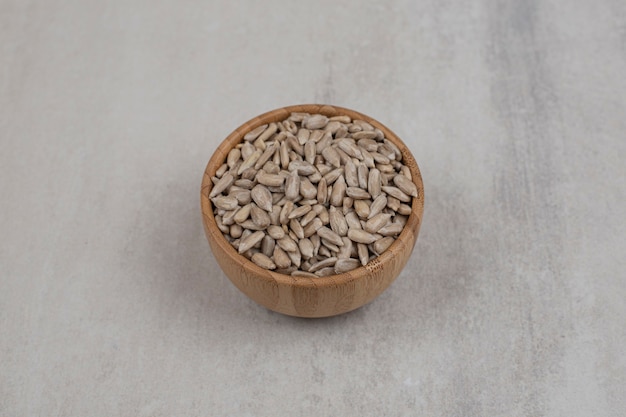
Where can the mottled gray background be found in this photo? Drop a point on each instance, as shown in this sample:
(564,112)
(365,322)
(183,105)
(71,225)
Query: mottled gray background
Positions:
(511,305)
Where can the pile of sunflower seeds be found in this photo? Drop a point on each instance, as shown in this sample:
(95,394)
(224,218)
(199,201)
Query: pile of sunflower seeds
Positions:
(313,196)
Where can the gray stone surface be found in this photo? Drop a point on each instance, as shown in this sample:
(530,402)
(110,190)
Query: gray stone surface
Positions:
(513,303)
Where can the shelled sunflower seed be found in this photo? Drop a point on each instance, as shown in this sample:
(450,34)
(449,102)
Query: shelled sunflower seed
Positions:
(312,195)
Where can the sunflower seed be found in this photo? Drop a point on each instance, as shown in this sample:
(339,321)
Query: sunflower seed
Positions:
(311,228)
(298,116)
(373,183)
(374,224)
(350,148)
(404,170)
(249,173)
(361,208)
(405,185)
(296,227)
(322,191)
(346,250)
(250,161)
(348,203)
(290,126)
(299,211)
(296,257)
(292,186)
(287,244)
(262,197)
(267,133)
(404,209)
(366,134)
(242,196)
(242,214)
(296,148)
(265,156)
(369,145)
(302,167)
(352,179)
(342,132)
(250,225)
(250,241)
(357,193)
(331,246)
(223,228)
(307,218)
(317,242)
(316,121)
(224,182)
(352,220)
(379,158)
(325,272)
(285,212)
(343,157)
(235,231)
(271,180)
(332,176)
(267,245)
(284,155)
(382,245)
(323,250)
(323,215)
(387,152)
(245,184)
(392,229)
(233,156)
(228,218)
(345,265)
(306,248)
(225,202)
(307,190)
(316,177)
(387,169)
(363,253)
(309,152)
(396,193)
(275,232)
(377,205)
(368,159)
(393,203)
(363,174)
(338,221)
(305,265)
(221,171)
(341,119)
(361,236)
(253,134)
(275,214)
(394,148)
(363,124)
(331,156)
(325,233)
(280,258)
(303,136)
(259,216)
(338,192)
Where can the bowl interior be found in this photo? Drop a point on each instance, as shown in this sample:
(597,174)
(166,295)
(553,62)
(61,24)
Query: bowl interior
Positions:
(408,235)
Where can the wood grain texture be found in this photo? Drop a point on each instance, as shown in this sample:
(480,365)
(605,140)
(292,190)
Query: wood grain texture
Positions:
(301,296)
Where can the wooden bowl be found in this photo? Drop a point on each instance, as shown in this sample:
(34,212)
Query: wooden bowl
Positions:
(300,296)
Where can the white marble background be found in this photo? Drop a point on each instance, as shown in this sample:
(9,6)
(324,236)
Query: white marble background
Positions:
(513,303)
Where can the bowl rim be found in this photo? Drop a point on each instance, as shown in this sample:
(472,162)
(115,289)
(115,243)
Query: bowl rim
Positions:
(409,233)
